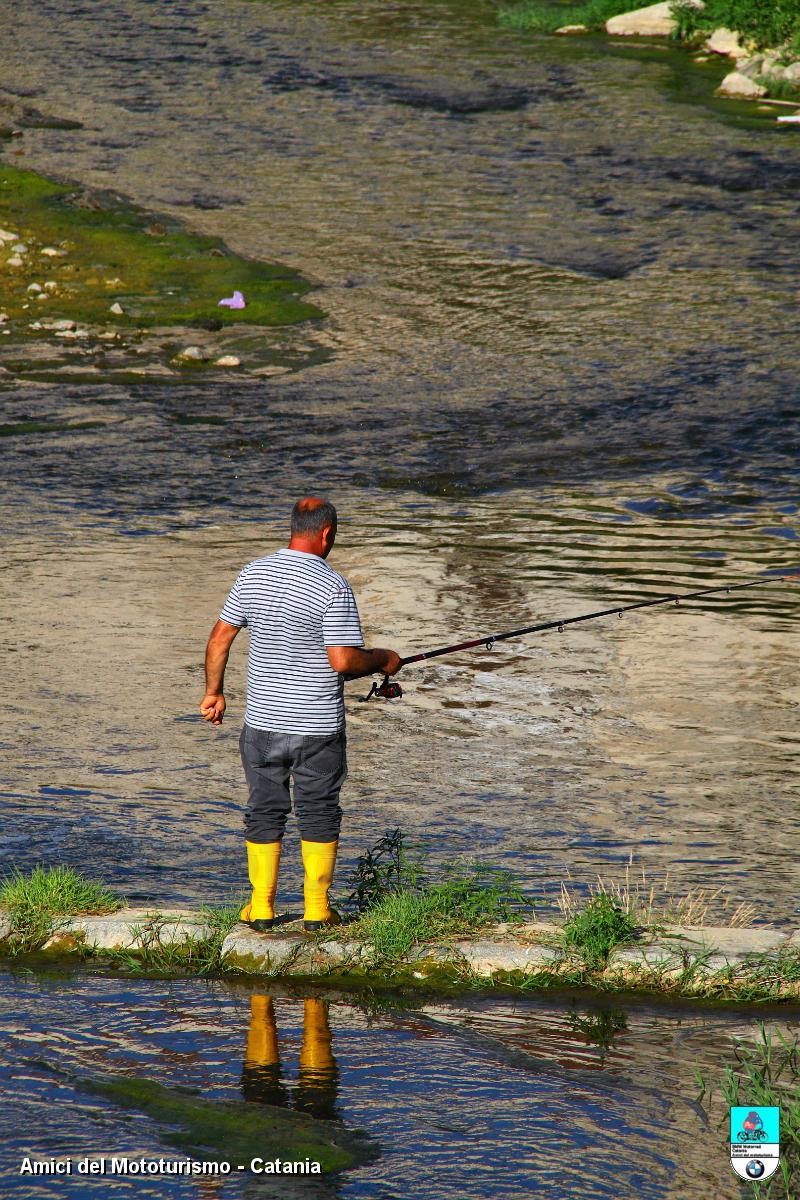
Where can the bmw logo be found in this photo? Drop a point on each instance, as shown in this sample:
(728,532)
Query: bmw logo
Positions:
(755,1168)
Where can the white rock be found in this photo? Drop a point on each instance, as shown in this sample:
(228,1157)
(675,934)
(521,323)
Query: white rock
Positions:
(738,85)
(59,323)
(14,261)
(228,360)
(19,248)
(726,41)
(35,325)
(3,318)
(656,20)
(51,252)
(792,72)
(7,236)
(42,296)
(117,308)
(567,29)
(109,336)
(50,285)
(34,287)
(66,333)
(192,354)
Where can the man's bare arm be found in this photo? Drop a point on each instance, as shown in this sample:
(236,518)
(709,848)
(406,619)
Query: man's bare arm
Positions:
(354,663)
(212,706)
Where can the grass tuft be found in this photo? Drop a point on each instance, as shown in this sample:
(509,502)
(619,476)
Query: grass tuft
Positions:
(543,17)
(35,901)
(594,932)
(765,23)
(655,905)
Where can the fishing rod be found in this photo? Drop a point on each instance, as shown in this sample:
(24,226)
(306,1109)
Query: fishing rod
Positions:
(390,690)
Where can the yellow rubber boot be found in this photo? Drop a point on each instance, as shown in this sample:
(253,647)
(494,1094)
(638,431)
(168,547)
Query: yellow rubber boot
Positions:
(319,859)
(263,863)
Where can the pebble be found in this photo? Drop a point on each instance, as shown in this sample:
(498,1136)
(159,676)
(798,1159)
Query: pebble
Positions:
(34,287)
(19,248)
(42,296)
(60,323)
(51,252)
(6,236)
(117,308)
(35,325)
(50,285)
(228,360)
(110,336)
(3,318)
(14,261)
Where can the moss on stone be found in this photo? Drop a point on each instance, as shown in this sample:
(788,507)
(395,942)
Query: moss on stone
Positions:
(235,1130)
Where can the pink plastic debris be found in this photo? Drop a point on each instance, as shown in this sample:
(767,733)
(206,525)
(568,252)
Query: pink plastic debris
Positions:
(237,300)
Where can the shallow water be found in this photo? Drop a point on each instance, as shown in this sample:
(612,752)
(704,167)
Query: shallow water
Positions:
(464,1099)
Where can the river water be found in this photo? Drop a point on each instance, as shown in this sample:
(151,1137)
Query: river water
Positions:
(558,372)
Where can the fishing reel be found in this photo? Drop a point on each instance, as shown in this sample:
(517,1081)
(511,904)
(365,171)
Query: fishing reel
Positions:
(388,690)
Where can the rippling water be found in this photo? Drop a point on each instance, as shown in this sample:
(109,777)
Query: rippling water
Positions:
(512,1099)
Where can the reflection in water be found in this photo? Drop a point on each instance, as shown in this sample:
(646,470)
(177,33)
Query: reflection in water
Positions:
(262,1079)
(600,1027)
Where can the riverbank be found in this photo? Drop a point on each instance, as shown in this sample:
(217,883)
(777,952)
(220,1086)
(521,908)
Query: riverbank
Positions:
(713,962)
(763,48)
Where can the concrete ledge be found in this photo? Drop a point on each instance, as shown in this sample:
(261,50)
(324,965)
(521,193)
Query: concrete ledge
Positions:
(133,928)
(505,950)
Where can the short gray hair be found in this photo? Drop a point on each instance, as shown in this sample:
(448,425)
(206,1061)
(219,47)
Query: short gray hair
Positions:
(312,520)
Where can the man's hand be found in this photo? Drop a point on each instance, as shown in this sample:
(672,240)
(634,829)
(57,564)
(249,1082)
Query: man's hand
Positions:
(393,663)
(212,706)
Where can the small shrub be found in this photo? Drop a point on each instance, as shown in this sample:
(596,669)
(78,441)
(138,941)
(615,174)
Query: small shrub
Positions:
(594,932)
(766,23)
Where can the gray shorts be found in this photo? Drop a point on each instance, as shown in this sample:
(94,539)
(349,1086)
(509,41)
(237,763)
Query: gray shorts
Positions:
(315,765)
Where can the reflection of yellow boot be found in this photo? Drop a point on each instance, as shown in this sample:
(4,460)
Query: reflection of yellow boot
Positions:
(319,859)
(263,861)
(262,1036)
(317,1085)
(261,1074)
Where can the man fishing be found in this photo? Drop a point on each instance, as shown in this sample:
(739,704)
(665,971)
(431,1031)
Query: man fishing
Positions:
(305,640)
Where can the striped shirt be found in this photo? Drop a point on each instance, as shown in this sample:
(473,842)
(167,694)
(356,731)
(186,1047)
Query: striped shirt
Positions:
(294,605)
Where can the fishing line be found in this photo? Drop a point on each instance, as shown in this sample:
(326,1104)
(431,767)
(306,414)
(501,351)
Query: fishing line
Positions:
(391,690)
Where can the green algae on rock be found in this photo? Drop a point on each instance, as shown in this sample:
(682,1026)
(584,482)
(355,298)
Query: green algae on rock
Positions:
(92,257)
(236,1130)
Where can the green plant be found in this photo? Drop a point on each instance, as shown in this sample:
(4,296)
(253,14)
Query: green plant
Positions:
(766,1074)
(36,901)
(686,15)
(379,872)
(766,23)
(594,932)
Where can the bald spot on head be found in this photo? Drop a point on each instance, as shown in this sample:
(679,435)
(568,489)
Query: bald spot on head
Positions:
(313,526)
